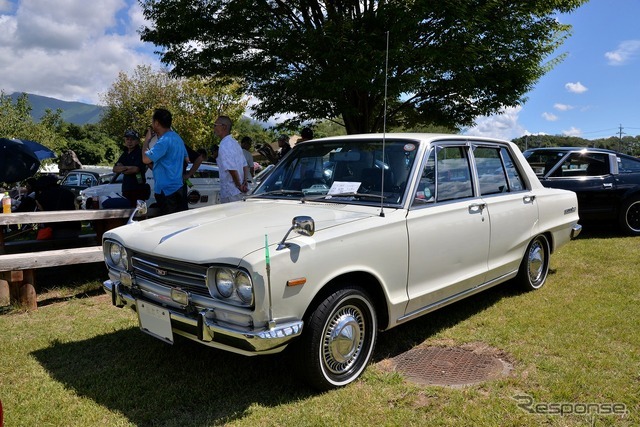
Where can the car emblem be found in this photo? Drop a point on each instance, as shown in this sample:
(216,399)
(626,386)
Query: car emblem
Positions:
(160,272)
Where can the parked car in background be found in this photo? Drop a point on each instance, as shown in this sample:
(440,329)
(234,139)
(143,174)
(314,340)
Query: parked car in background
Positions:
(345,237)
(78,179)
(607,182)
(204,191)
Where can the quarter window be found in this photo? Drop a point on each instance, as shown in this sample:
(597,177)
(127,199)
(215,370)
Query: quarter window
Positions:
(628,165)
(513,174)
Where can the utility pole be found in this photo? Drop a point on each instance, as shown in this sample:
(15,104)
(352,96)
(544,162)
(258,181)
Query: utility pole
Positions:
(620,133)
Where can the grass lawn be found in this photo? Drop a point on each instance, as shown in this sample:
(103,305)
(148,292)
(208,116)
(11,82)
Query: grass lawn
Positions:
(574,346)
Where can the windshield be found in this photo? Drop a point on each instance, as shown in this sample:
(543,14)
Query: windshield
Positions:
(343,170)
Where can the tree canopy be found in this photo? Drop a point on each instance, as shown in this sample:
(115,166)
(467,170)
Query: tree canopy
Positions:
(448,61)
(194,102)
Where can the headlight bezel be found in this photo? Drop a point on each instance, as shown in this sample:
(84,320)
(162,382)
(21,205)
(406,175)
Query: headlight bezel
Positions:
(116,255)
(231,285)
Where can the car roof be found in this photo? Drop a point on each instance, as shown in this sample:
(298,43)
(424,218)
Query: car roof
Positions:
(97,170)
(427,137)
(567,149)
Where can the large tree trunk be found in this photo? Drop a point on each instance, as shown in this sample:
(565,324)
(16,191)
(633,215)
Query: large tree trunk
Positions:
(360,119)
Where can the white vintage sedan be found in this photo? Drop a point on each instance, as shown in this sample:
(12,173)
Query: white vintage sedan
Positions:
(346,237)
(204,191)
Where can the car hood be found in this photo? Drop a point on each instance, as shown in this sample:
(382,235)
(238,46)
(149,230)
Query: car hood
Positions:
(228,232)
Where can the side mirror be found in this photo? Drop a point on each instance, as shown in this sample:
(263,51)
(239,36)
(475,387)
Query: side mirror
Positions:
(304,225)
(141,209)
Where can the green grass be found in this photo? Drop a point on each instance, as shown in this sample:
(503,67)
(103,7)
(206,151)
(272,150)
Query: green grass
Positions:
(79,361)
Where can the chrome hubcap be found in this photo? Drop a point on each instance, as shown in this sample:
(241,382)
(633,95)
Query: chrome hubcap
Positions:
(536,262)
(343,339)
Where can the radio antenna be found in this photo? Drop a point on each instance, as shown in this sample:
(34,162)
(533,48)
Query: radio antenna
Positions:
(384,126)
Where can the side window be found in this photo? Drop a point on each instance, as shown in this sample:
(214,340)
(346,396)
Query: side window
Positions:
(426,191)
(516,182)
(453,177)
(585,164)
(88,180)
(491,173)
(627,165)
(71,180)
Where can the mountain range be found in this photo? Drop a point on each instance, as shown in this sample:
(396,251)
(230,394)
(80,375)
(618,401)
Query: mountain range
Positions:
(77,113)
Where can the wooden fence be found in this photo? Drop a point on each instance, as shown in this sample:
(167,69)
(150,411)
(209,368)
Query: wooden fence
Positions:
(17,270)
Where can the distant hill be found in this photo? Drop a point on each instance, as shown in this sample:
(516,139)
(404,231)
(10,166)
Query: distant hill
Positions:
(77,113)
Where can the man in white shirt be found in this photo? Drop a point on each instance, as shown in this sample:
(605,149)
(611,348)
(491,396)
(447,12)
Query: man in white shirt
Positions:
(231,163)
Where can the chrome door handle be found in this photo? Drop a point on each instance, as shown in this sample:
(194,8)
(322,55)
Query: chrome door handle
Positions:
(529,198)
(607,185)
(477,208)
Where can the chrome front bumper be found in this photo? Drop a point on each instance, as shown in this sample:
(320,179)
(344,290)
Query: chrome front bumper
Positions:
(202,329)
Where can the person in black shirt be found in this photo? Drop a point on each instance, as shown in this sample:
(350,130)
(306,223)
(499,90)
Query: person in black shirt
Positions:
(130,164)
(196,158)
(51,197)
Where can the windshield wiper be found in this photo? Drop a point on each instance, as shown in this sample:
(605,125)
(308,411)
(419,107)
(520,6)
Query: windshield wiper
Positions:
(278,193)
(348,194)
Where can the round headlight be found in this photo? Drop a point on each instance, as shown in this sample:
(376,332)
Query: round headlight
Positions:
(115,253)
(244,288)
(193,197)
(117,256)
(224,282)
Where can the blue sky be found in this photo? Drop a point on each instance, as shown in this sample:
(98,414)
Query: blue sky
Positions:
(74,49)
(595,90)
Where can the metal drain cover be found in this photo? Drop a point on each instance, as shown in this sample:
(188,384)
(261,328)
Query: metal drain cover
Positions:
(452,366)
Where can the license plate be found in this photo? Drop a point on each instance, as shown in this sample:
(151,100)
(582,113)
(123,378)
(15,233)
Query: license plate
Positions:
(155,321)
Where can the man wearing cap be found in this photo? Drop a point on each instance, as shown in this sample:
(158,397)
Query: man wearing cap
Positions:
(130,165)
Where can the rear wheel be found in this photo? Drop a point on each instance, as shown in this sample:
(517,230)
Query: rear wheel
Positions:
(630,216)
(338,340)
(535,264)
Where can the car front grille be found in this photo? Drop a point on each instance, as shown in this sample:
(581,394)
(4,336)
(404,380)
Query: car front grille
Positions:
(171,274)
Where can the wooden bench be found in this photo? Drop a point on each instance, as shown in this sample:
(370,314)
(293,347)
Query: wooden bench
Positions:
(17,270)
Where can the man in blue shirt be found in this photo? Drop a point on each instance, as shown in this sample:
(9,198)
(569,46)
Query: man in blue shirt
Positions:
(168,156)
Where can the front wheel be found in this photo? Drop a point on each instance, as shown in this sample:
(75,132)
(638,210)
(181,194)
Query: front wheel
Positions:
(534,267)
(338,340)
(630,216)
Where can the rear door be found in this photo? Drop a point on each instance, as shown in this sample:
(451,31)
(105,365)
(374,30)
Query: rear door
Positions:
(510,206)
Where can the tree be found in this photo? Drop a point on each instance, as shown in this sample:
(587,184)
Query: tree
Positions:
(449,61)
(194,102)
(130,100)
(16,122)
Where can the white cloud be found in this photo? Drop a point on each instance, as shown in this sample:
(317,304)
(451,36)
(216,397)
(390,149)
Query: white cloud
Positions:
(5,6)
(573,131)
(624,53)
(503,126)
(563,107)
(576,87)
(71,50)
(549,117)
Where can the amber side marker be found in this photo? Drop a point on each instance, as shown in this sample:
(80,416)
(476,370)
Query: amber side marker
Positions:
(297,282)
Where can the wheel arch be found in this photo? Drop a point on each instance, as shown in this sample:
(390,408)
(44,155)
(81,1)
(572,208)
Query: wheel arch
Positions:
(369,284)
